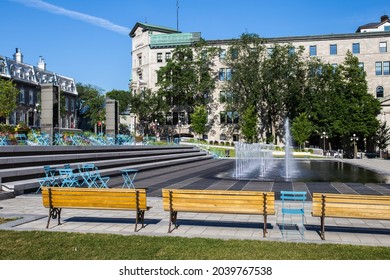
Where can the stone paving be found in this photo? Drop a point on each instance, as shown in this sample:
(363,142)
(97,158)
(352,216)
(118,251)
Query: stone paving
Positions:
(226,226)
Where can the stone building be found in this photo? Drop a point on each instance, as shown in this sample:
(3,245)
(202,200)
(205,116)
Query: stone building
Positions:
(30,80)
(153,45)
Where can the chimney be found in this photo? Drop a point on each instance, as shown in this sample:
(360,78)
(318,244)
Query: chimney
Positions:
(42,63)
(18,56)
(384,18)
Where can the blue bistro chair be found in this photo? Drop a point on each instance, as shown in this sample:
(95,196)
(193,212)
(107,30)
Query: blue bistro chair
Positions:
(68,178)
(293,203)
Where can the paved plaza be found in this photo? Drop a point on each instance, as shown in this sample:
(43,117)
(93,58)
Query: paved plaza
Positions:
(203,175)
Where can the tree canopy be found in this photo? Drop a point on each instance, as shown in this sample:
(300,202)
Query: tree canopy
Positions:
(8,97)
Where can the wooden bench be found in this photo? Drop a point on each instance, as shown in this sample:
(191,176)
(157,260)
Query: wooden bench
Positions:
(349,206)
(56,198)
(218,201)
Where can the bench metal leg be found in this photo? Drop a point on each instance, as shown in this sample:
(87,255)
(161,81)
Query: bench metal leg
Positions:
(54,213)
(139,217)
(172,219)
(322,231)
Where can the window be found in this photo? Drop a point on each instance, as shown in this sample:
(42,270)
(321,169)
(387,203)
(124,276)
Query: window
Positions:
(222,137)
(31,97)
(378,68)
(228,117)
(313,51)
(139,59)
(291,51)
(270,51)
(383,47)
(234,53)
(387,28)
(386,67)
(379,92)
(66,103)
(355,48)
(2,66)
(334,67)
(167,56)
(361,65)
(159,57)
(72,105)
(22,117)
(333,49)
(21,96)
(222,117)
(222,54)
(222,97)
(225,74)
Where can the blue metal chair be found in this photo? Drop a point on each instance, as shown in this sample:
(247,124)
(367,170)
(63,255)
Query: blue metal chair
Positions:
(68,178)
(50,178)
(293,203)
(3,141)
(88,175)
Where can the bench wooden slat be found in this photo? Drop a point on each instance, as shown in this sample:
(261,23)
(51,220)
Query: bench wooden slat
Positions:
(214,196)
(350,206)
(118,202)
(104,199)
(218,201)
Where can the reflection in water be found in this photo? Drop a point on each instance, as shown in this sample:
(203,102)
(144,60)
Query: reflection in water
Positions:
(314,171)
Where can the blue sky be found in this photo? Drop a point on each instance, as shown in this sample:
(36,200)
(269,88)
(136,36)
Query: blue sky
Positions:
(89,41)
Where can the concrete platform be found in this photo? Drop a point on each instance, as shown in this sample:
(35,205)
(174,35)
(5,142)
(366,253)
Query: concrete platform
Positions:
(201,175)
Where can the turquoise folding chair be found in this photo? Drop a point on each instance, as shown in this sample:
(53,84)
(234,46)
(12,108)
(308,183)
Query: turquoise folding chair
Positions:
(68,178)
(101,181)
(3,141)
(50,178)
(293,203)
(96,178)
(87,175)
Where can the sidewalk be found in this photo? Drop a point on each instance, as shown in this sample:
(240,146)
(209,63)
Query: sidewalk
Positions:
(224,226)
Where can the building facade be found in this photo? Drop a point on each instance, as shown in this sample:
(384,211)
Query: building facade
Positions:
(30,79)
(152,46)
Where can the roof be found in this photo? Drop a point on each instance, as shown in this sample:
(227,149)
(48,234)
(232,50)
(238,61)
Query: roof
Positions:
(310,38)
(150,27)
(372,25)
(22,72)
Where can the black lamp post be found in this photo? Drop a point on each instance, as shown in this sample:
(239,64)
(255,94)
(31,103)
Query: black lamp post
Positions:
(354,138)
(324,136)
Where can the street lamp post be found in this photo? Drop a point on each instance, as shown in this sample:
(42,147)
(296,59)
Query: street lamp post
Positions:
(324,136)
(179,127)
(354,138)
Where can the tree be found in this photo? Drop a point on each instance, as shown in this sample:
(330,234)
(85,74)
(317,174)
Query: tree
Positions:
(383,137)
(123,96)
(90,105)
(8,97)
(187,79)
(249,124)
(244,59)
(148,106)
(199,120)
(271,79)
(338,102)
(301,129)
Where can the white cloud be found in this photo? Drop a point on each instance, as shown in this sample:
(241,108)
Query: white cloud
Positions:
(75,15)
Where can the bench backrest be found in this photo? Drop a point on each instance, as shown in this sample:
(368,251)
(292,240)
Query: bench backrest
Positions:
(351,206)
(120,199)
(214,201)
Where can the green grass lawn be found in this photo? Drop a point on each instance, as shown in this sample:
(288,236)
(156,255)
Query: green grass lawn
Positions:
(42,245)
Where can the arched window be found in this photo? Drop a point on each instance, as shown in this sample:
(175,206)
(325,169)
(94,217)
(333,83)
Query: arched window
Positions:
(379,92)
